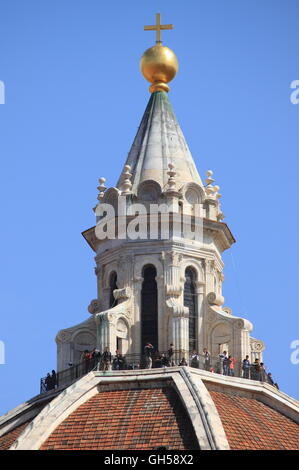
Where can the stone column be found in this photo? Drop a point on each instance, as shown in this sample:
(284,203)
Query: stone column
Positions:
(209,272)
(136,332)
(200,290)
(103,331)
(179,315)
(172,262)
(125,271)
(162,331)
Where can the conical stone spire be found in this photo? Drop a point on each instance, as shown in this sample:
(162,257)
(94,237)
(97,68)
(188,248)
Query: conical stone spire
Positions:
(158,142)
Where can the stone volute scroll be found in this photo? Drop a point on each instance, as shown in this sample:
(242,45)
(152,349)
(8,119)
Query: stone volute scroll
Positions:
(122,294)
(94,306)
(214,299)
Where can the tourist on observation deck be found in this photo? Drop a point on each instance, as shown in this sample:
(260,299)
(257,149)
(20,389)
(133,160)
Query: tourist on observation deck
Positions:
(118,361)
(255,371)
(231,366)
(96,357)
(207,359)
(223,363)
(183,362)
(263,374)
(246,367)
(106,359)
(194,360)
(271,381)
(170,353)
(148,350)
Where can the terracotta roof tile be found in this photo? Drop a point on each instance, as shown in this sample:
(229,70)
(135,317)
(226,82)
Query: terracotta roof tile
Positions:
(8,439)
(250,424)
(126,419)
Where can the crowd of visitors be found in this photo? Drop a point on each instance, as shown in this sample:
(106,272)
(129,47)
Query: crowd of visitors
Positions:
(225,364)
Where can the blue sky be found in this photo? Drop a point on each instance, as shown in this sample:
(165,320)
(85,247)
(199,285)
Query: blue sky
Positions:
(74,99)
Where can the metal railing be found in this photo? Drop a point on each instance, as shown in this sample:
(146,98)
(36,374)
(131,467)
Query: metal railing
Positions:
(158,360)
(67,376)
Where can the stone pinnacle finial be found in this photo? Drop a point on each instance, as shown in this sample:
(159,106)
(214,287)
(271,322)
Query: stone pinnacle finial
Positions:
(126,185)
(216,191)
(101,188)
(210,190)
(209,179)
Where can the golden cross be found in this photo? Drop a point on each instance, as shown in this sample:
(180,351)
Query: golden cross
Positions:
(158,27)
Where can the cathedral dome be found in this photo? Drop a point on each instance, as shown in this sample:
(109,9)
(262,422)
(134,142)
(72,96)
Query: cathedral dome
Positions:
(203,410)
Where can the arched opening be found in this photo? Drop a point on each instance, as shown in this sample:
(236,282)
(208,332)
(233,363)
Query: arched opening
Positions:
(190,301)
(112,286)
(149,307)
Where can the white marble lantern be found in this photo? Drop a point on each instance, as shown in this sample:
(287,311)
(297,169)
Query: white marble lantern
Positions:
(162,289)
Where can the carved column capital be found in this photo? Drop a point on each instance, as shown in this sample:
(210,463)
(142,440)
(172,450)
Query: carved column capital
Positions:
(173,258)
(210,265)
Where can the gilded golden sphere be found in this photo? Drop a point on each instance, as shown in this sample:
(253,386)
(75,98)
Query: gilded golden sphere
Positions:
(159,66)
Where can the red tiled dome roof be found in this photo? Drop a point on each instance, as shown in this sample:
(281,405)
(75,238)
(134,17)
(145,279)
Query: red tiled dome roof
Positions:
(137,419)
(9,438)
(180,409)
(250,424)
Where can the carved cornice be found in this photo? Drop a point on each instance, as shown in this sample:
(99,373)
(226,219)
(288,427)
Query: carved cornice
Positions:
(221,231)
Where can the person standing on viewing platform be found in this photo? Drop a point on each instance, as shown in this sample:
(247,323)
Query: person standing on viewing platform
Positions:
(170,353)
(223,363)
(183,362)
(263,372)
(148,350)
(96,356)
(106,359)
(207,359)
(271,381)
(194,360)
(246,367)
(255,370)
(231,366)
